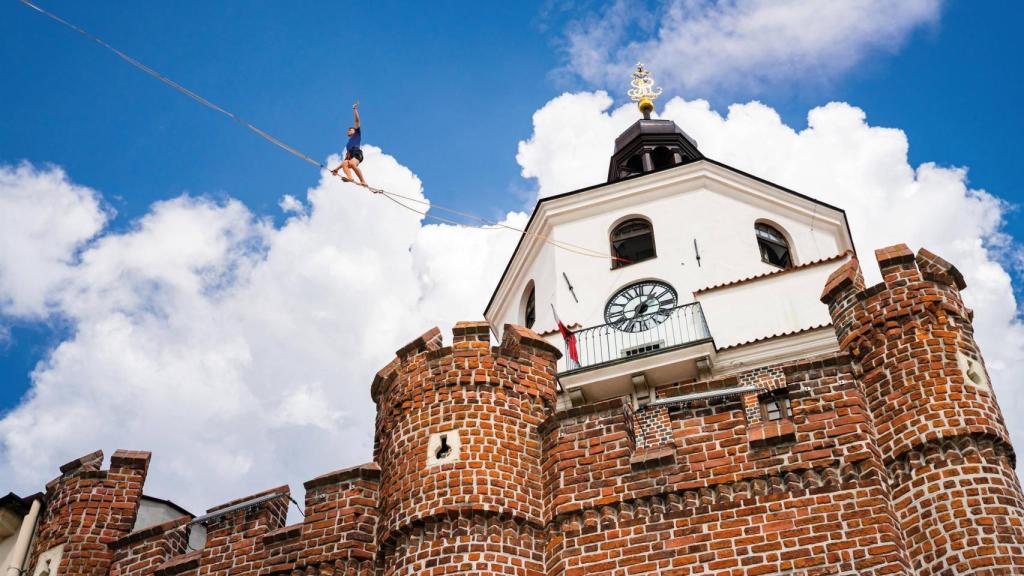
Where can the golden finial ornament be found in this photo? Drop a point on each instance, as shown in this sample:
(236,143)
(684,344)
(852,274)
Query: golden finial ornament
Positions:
(643,92)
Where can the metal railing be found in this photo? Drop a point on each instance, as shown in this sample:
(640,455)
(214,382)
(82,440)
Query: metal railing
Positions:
(604,344)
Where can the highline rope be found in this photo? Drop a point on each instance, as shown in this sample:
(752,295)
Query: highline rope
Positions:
(484,223)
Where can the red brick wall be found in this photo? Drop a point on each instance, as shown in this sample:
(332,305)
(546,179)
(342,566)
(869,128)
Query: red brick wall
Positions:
(88,508)
(944,441)
(814,499)
(142,552)
(337,534)
(439,519)
(234,541)
(467,543)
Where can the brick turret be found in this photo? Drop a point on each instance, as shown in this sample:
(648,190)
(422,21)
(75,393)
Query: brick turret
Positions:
(459,447)
(937,423)
(87,509)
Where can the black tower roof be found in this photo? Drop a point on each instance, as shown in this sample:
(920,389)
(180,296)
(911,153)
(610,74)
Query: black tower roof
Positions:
(650,145)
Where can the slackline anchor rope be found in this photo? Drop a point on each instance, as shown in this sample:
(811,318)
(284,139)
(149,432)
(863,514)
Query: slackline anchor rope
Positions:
(392,196)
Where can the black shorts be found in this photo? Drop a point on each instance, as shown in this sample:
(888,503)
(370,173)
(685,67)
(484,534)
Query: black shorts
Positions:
(354,153)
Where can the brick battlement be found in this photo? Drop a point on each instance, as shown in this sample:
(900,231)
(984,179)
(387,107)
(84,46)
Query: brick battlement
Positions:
(935,414)
(887,457)
(337,532)
(457,431)
(912,336)
(88,509)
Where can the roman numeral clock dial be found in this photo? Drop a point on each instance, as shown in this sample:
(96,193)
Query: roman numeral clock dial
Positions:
(641,306)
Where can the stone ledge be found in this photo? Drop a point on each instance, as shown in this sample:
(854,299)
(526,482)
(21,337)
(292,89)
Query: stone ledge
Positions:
(91,461)
(429,340)
(516,336)
(368,471)
(151,532)
(767,432)
(180,564)
(846,276)
(471,332)
(283,534)
(283,489)
(653,457)
(136,459)
(895,255)
(938,269)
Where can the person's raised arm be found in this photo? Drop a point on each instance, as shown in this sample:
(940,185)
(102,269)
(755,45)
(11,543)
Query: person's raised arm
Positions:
(355,112)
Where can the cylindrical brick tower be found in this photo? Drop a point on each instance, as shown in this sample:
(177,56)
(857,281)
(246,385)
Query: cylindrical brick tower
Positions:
(460,453)
(938,426)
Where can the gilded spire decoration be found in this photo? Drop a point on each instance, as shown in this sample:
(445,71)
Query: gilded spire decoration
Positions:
(643,92)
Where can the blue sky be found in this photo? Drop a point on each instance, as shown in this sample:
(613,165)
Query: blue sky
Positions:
(448,89)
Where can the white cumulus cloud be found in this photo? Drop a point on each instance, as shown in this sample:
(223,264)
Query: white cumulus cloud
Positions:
(44,219)
(739,45)
(240,353)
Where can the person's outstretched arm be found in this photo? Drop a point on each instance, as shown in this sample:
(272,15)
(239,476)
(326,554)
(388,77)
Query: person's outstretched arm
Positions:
(355,112)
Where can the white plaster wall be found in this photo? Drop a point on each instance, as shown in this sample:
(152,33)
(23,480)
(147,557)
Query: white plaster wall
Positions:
(543,271)
(776,304)
(721,220)
(10,525)
(153,512)
(49,561)
(7,548)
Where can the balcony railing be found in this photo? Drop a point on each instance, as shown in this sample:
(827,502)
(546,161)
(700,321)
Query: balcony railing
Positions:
(605,344)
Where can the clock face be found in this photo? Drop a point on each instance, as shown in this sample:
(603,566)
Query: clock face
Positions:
(641,306)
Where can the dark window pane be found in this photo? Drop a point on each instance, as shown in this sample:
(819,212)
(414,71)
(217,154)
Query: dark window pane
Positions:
(633,240)
(773,246)
(531,308)
(766,232)
(635,165)
(776,407)
(662,157)
(641,350)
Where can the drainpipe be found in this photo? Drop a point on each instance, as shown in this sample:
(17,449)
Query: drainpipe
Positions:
(20,552)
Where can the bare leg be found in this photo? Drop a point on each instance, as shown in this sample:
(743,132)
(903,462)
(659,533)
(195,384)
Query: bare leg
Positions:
(355,166)
(348,172)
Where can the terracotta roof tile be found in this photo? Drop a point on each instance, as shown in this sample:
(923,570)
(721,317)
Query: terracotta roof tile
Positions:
(778,335)
(573,326)
(773,273)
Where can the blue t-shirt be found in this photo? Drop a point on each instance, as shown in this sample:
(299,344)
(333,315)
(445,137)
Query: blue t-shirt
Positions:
(353,140)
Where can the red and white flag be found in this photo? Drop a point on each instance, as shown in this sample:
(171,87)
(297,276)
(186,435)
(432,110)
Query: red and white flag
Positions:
(570,338)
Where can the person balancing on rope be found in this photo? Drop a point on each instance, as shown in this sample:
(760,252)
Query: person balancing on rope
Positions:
(353,155)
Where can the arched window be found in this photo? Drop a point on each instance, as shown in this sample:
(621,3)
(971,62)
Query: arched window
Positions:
(530,306)
(632,241)
(662,157)
(635,165)
(773,245)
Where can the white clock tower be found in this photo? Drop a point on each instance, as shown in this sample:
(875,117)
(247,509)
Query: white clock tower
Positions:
(700,270)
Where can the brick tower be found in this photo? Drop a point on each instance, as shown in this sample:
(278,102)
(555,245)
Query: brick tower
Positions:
(938,426)
(87,510)
(460,453)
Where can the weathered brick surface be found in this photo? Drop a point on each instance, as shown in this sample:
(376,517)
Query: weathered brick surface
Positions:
(494,399)
(88,508)
(144,551)
(942,436)
(892,459)
(726,504)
